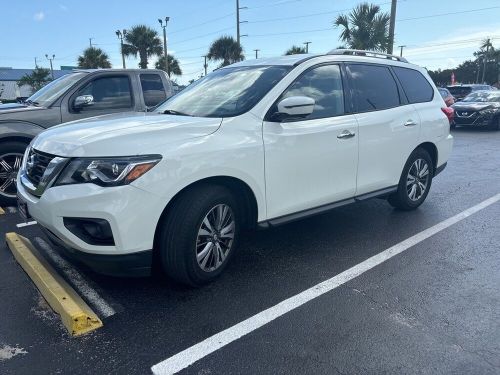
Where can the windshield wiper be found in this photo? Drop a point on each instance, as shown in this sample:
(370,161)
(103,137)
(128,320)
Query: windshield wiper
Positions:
(173,112)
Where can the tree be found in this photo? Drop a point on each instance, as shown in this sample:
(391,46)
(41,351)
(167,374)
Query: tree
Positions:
(143,41)
(36,79)
(295,50)
(93,58)
(226,49)
(366,27)
(173,65)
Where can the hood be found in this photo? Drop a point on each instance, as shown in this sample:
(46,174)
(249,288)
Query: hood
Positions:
(17,107)
(473,106)
(123,134)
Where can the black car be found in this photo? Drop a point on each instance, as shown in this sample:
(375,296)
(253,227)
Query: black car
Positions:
(481,108)
(461,91)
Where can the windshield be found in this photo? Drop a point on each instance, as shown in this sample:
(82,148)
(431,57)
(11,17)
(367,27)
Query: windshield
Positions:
(50,92)
(226,92)
(459,91)
(483,96)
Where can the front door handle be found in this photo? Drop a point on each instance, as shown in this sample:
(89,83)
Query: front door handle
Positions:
(410,123)
(345,134)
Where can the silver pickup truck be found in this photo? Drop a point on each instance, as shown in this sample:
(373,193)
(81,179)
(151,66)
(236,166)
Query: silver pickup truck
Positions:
(75,96)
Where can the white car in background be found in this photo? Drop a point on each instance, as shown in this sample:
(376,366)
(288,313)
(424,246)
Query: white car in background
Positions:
(258,143)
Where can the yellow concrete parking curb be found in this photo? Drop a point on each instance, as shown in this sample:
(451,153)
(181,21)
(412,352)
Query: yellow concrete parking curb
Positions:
(76,315)
(1,211)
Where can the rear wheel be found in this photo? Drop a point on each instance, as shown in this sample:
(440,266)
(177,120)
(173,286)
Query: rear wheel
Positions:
(415,181)
(11,156)
(199,234)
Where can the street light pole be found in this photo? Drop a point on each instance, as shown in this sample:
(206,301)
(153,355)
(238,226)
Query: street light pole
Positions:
(205,65)
(165,51)
(51,68)
(307,46)
(256,53)
(121,35)
(392,24)
(485,58)
(401,50)
(238,22)
(90,41)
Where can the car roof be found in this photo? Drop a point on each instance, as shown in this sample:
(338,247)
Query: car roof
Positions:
(288,60)
(117,70)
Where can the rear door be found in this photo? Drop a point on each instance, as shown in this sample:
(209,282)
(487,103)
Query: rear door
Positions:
(388,126)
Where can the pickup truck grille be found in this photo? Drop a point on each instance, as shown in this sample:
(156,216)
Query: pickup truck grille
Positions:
(36,164)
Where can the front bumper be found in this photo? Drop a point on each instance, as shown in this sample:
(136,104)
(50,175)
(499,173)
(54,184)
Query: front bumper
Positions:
(132,214)
(478,120)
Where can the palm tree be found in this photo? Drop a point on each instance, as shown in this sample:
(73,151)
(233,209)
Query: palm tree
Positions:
(366,27)
(295,50)
(143,41)
(173,65)
(38,78)
(93,58)
(226,49)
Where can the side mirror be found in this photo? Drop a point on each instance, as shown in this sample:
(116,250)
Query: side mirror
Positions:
(294,107)
(83,101)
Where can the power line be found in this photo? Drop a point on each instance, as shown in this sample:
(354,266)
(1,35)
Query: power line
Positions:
(203,23)
(446,14)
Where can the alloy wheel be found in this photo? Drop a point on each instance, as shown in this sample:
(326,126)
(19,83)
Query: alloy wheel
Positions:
(9,167)
(417,179)
(215,237)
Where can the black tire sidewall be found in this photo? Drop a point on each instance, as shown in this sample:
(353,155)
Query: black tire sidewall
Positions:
(11,147)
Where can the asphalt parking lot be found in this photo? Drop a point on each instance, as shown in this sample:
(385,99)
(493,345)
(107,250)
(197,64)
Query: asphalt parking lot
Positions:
(434,308)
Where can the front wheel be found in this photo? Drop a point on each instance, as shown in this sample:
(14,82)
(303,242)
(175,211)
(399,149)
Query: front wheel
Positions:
(11,156)
(495,124)
(415,181)
(199,234)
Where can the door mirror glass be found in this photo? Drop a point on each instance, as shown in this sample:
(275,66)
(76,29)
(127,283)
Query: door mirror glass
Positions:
(83,101)
(294,107)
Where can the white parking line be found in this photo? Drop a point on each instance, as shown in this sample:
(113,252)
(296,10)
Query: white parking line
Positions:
(198,351)
(104,310)
(20,225)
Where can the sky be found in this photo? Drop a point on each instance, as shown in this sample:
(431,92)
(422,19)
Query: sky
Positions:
(436,33)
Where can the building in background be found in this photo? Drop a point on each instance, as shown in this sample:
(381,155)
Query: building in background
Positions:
(9,90)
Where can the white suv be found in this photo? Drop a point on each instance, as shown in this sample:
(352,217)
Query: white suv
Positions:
(258,143)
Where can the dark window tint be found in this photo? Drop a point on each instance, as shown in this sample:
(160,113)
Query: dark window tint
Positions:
(459,91)
(324,85)
(108,93)
(416,87)
(374,87)
(153,89)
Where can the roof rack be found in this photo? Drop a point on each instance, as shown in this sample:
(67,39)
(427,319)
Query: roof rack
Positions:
(359,52)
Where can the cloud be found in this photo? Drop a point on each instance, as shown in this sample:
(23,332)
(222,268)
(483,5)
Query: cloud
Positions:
(63,7)
(39,16)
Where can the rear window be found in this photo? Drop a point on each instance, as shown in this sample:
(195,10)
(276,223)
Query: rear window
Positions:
(374,87)
(459,91)
(152,89)
(415,86)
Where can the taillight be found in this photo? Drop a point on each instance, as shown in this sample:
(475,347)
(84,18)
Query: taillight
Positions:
(449,112)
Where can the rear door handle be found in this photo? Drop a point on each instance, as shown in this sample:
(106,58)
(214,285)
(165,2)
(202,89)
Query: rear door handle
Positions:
(410,123)
(345,134)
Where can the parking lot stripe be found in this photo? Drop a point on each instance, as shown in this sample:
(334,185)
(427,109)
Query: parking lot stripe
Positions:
(198,351)
(20,225)
(76,315)
(77,280)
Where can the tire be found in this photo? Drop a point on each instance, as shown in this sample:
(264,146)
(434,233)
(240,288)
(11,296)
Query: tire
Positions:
(11,155)
(495,124)
(453,125)
(402,198)
(184,235)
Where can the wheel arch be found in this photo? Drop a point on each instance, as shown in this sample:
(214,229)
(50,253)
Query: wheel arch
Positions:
(432,150)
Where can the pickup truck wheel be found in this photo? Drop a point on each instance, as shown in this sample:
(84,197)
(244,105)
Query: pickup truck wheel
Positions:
(415,181)
(199,235)
(11,156)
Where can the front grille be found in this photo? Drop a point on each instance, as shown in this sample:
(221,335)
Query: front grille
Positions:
(36,164)
(466,113)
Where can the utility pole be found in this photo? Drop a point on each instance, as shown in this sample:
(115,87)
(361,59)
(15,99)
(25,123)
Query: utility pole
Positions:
(165,52)
(205,65)
(307,46)
(51,68)
(238,22)
(485,58)
(36,64)
(392,24)
(121,35)
(256,53)
(90,41)
(401,50)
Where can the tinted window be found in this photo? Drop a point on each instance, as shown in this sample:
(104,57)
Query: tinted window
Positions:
(416,87)
(374,87)
(324,85)
(153,90)
(459,91)
(108,92)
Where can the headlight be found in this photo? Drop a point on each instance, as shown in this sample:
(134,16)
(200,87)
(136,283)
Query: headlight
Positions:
(106,171)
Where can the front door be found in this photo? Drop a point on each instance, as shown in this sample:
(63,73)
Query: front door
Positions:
(312,161)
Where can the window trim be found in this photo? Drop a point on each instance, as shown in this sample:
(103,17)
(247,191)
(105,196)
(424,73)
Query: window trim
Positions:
(402,88)
(401,95)
(345,88)
(92,79)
